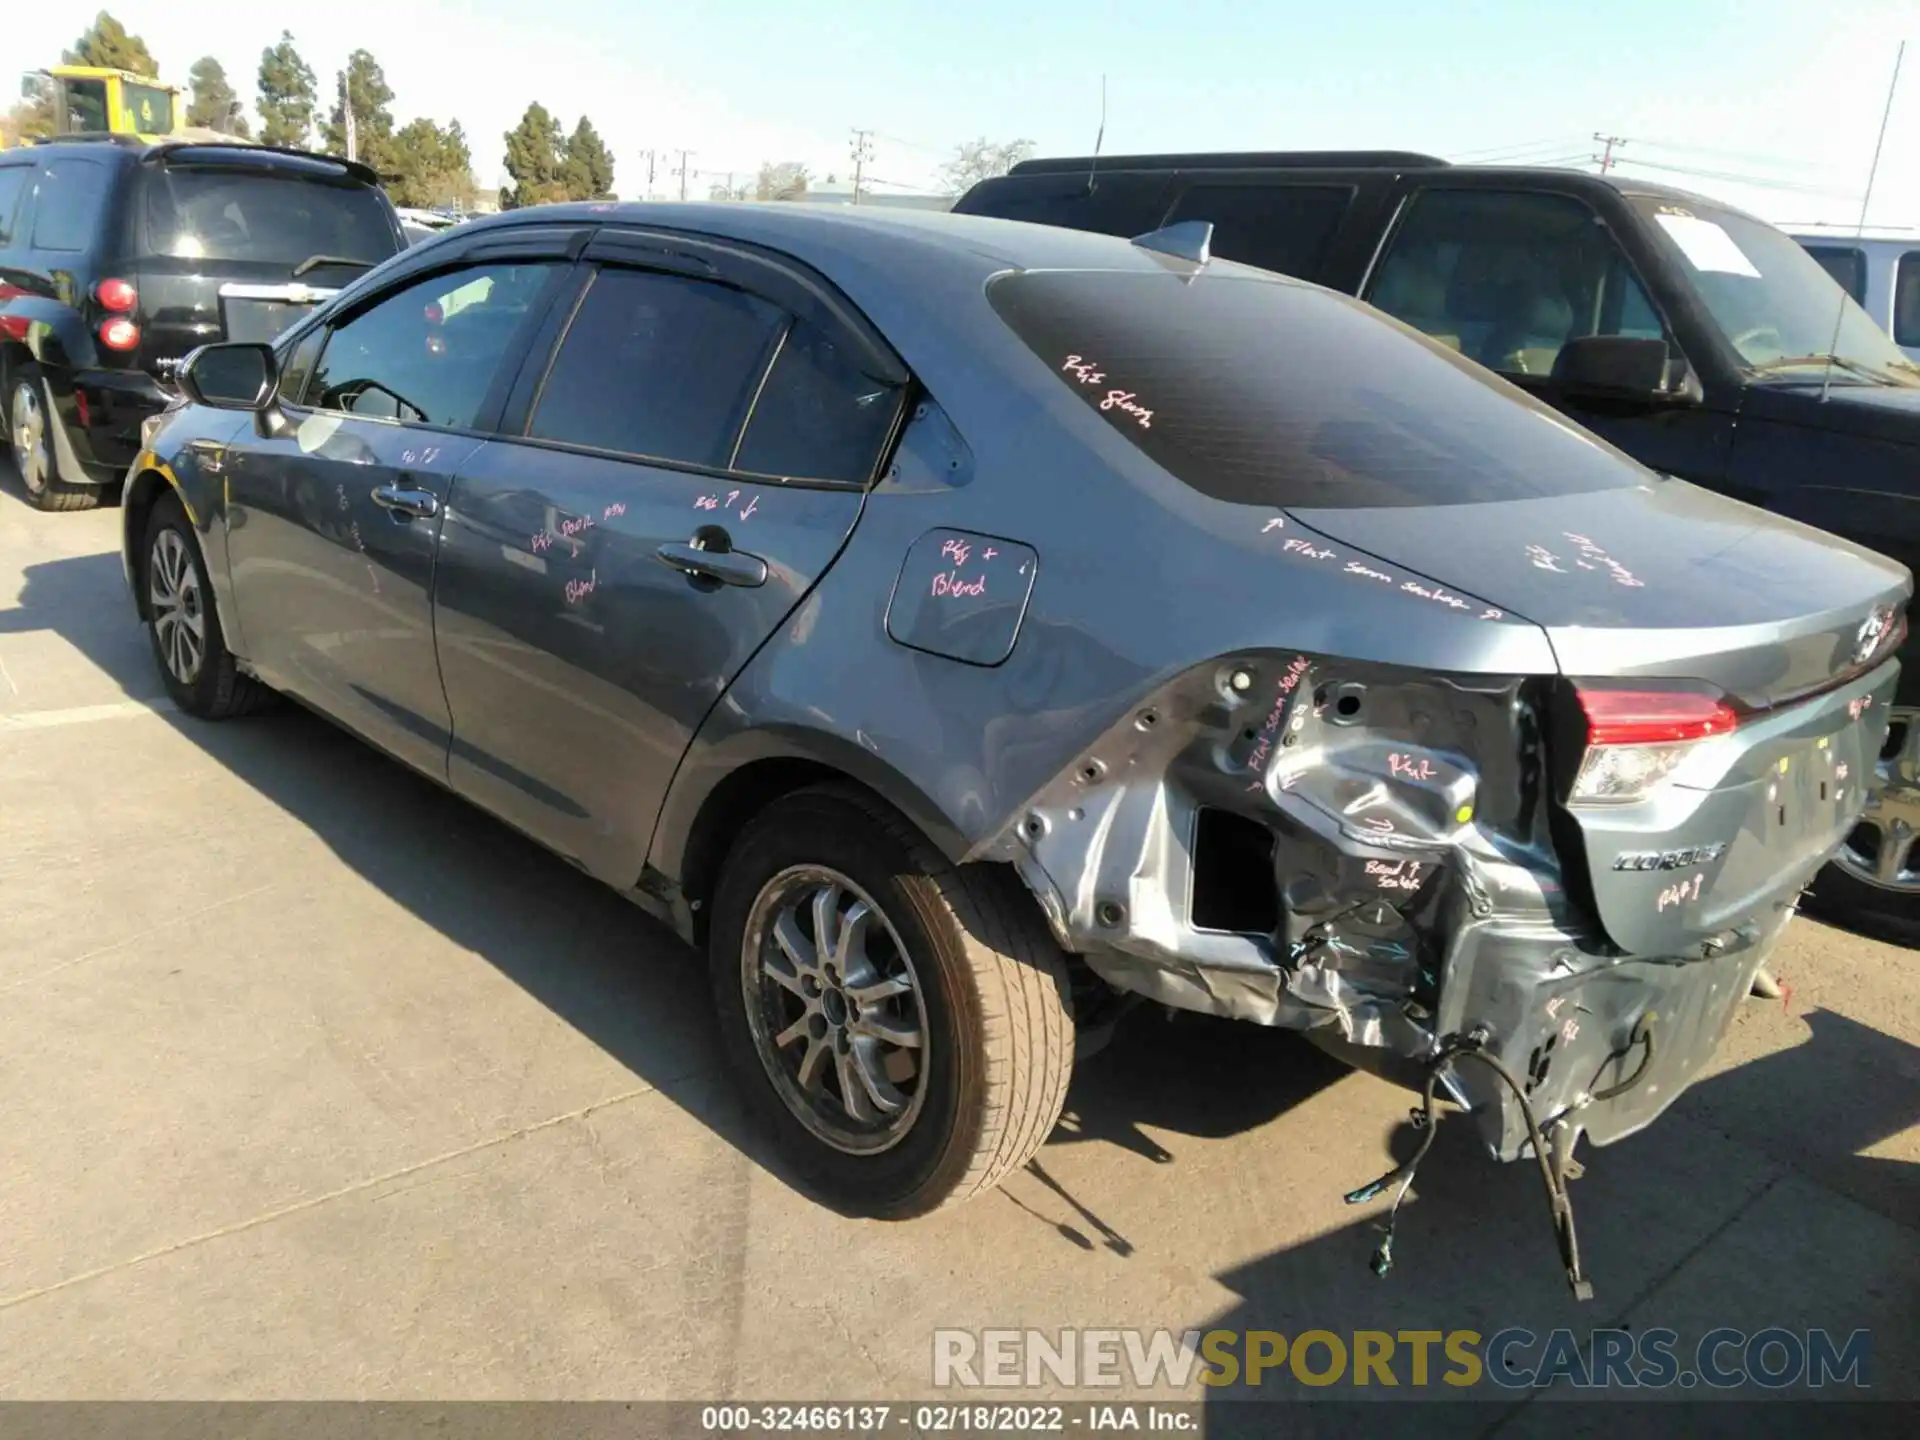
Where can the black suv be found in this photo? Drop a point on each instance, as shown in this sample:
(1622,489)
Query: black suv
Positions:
(1702,341)
(118,257)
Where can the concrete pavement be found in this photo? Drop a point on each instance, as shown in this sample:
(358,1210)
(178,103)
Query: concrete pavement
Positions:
(319,1083)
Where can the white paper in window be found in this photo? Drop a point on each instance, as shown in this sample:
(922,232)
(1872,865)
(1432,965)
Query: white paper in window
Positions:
(1706,245)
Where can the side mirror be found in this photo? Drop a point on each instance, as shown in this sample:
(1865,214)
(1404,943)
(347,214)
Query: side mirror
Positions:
(1623,367)
(237,376)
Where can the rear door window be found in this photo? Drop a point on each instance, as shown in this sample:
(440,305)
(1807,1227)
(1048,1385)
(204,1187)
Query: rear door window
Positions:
(1266,392)
(1846,265)
(1507,278)
(1906,299)
(405,359)
(13,190)
(817,417)
(658,366)
(218,212)
(72,194)
(1283,228)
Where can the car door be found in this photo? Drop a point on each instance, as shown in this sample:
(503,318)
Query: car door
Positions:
(1508,277)
(334,519)
(683,470)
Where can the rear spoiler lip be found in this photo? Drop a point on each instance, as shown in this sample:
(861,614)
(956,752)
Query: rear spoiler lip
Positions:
(181,152)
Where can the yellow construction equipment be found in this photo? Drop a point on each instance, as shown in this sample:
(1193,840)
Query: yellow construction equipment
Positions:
(94,100)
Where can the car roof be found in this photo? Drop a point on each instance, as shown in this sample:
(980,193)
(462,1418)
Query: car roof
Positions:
(1392,162)
(223,151)
(828,237)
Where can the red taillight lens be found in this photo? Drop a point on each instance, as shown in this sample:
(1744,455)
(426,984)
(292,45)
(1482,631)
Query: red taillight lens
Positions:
(119,333)
(1654,717)
(1637,738)
(118,295)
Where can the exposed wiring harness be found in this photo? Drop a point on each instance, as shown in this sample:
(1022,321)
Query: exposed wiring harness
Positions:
(1472,1046)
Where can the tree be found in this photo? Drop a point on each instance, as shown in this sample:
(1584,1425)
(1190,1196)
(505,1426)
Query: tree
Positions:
(586,172)
(107,43)
(365,84)
(981,159)
(431,167)
(214,105)
(727,190)
(286,101)
(536,150)
(784,181)
(29,118)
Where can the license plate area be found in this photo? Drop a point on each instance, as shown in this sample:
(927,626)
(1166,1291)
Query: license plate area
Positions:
(260,321)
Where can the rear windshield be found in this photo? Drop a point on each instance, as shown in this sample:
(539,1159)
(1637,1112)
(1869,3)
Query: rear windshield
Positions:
(218,213)
(1267,392)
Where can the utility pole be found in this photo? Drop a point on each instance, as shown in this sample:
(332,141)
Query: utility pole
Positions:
(346,118)
(1605,159)
(862,152)
(683,172)
(651,156)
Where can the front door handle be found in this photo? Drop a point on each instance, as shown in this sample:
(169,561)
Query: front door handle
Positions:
(729,567)
(420,503)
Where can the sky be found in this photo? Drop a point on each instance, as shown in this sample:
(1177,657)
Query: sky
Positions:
(1768,105)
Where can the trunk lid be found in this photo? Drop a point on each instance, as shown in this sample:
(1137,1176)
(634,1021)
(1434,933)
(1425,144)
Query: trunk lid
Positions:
(1663,582)
(1657,579)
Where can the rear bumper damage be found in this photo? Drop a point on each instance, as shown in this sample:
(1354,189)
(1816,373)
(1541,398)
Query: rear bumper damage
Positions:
(1369,855)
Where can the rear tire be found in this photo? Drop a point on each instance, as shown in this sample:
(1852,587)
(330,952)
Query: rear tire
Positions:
(1873,886)
(30,421)
(200,673)
(954,956)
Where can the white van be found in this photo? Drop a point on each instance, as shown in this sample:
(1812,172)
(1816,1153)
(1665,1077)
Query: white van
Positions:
(1880,269)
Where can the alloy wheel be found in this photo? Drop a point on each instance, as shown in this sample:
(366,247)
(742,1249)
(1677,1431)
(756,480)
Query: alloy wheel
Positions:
(836,1009)
(27,423)
(1880,850)
(177,606)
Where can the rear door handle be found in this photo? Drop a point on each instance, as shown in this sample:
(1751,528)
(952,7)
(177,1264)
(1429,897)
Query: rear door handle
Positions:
(729,567)
(421,503)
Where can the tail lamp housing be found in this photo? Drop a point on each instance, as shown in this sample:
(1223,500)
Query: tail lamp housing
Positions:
(120,334)
(1637,737)
(117,295)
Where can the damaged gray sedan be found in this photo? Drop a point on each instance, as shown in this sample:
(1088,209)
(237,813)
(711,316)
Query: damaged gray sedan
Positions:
(962,629)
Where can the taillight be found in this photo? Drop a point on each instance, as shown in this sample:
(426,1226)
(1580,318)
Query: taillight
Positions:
(1637,738)
(117,295)
(119,333)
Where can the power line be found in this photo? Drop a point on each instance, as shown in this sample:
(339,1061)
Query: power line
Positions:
(1489,154)
(1754,180)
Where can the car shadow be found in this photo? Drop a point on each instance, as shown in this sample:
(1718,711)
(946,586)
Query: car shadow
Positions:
(620,978)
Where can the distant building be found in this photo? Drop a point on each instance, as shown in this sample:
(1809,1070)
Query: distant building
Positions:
(841,193)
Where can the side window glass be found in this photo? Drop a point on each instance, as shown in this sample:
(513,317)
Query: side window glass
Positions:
(68,212)
(1284,228)
(818,417)
(429,354)
(13,186)
(87,105)
(1906,300)
(1848,267)
(660,366)
(1508,279)
(296,368)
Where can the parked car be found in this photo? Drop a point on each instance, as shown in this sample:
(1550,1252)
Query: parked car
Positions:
(956,627)
(1690,335)
(1881,271)
(117,257)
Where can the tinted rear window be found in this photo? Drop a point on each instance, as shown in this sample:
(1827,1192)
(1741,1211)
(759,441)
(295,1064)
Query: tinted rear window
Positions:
(72,193)
(218,213)
(1279,394)
(1116,204)
(1847,267)
(1284,228)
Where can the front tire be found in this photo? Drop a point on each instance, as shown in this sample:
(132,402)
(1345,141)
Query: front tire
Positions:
(30,422)
(902,1025)
(200,673)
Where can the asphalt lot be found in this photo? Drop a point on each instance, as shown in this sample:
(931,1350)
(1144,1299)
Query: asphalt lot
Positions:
(318,1083)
